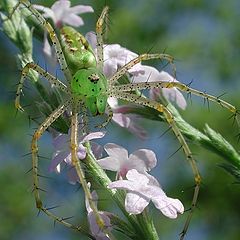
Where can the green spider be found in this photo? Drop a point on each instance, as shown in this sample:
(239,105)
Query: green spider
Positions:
(88,88)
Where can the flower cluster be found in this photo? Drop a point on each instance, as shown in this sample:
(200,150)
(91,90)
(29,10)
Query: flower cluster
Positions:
(116,57)
(141,187)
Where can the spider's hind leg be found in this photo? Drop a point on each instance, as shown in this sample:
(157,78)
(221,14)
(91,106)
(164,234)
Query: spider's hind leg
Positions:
(130,97)
(35,166)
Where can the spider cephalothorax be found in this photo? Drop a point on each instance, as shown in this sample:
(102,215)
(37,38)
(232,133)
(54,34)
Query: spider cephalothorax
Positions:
(90,86)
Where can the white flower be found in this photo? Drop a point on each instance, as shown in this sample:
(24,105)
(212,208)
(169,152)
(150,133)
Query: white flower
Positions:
(118,160)
(141,189)
(61,12)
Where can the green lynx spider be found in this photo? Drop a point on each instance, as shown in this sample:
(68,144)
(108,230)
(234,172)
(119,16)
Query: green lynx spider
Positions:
(87,87)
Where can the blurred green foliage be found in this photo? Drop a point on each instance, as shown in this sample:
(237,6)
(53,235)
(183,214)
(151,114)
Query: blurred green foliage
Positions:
(204,37)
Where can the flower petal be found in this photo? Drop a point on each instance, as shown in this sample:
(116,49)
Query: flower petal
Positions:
(136,182)
(48,12)
(143,160)
(81,9)
(72,20)
(121,119)
(61,141)
(92,39)
(116,151)
(97,150)
(122,184)
(94,227)
(57,159)
(116,56)
(94,198)
(72,176)
(143,189)
(61,5)
(110,67)
(151,74)
(174,95)
(92,135)
(134,176)
(81,152)
(109,163)
(170,207)
(134,204)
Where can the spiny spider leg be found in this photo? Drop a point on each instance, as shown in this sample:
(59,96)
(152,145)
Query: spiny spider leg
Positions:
(180,86)
(77,164)
(34,149)
(99,32)
(193,205)
(170,120)
(47,26)
(142,57)
(53,80)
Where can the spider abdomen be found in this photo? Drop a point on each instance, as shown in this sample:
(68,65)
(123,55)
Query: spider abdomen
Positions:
(77,51)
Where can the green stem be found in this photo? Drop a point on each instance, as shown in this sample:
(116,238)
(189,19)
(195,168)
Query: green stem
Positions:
(210,140)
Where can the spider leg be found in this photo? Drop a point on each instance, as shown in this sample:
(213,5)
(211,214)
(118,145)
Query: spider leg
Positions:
(109,117)
(34,149)
(180,86)
(142,57)
(52,80)
(47,26)
(171,121)
(99,32)
(77,164)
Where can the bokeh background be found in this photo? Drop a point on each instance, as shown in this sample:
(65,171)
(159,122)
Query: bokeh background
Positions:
(204,37)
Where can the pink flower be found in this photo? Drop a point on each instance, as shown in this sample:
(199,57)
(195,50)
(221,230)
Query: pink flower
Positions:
(128,121)
(94,228)
(118,160)
(153,75)
(61,13)
(141,189)
(63,154)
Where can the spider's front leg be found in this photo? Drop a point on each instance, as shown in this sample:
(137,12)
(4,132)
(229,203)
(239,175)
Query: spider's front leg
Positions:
(47,27)
(142,57)
(178,85)
(99,32)
(51,79)
(130,97)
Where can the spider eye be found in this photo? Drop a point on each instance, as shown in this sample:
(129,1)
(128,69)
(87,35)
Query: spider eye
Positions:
(93,78)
